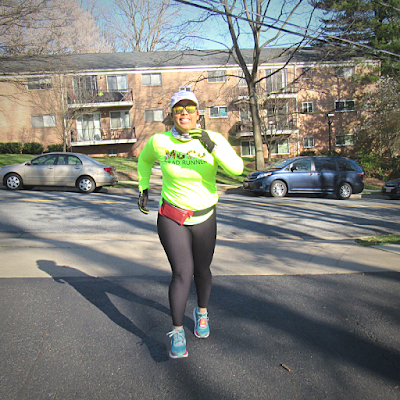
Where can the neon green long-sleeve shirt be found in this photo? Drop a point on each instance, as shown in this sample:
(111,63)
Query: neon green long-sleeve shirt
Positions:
(188,169)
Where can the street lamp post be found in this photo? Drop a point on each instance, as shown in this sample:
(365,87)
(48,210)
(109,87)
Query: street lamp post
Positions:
(330,120)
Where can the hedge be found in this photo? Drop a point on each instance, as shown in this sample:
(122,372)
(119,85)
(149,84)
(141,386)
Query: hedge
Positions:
(11,148)
(32,148)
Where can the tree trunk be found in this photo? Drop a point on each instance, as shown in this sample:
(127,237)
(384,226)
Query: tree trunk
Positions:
(255,116)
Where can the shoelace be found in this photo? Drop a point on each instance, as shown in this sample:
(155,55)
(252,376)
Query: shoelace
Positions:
(203,318)
(178,337)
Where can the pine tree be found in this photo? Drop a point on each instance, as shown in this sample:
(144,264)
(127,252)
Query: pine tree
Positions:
(371,22)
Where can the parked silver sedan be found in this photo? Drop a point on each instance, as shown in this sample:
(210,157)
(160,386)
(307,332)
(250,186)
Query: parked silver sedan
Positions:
(59,169)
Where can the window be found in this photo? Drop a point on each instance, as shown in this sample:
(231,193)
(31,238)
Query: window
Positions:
(277,82)
(112,152)
(88,127)
(247,148)
(280,147)
(43,121)
(216,76)
(308,107)
(241,81)
(308,141)
(153,115)
(345,140)
(302,165)
(345,105)
(40,83)
(218,112)
(68,160)
(307,73)
(245,115)
(346,165)
(117,83)
(85,88)
(151,79)
(184,89)
(120,119)
(324,164)
(45,160)
(344,72)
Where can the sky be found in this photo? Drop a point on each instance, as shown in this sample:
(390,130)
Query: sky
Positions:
(216,35)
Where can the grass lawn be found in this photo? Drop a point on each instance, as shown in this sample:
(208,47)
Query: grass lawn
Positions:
(375,240)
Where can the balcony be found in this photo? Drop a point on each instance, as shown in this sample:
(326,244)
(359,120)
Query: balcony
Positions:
(284,126)
(100,99)
(96,137)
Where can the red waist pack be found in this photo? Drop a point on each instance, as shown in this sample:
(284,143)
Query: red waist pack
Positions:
(175,213)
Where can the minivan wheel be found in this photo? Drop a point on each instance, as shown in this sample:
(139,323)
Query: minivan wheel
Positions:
(344,191)
(13,181)
(85,184)
(278,189)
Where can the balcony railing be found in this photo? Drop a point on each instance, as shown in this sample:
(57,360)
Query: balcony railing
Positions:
(282,126)
(95,136)
(100,99)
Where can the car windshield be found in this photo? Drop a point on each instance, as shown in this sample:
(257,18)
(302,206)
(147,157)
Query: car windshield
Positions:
(280,163)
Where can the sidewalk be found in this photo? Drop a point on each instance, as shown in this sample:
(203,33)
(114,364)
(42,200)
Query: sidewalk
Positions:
(132,255)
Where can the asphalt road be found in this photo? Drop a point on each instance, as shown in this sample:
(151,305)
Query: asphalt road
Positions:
(74,335)
(238,215)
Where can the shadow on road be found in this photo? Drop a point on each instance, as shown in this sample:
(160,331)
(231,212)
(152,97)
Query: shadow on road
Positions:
(97,291)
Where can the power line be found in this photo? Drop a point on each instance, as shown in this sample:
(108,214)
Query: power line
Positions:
(303,35)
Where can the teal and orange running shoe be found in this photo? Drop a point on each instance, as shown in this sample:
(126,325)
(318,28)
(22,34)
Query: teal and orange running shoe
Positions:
(178,343)
(201,326)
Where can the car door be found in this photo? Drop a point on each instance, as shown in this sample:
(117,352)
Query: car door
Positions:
(301,178)
(67,170)
(325,174)
(40,171)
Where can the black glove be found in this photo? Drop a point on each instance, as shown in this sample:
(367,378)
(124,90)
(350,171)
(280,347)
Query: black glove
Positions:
(204,139)
(142,202)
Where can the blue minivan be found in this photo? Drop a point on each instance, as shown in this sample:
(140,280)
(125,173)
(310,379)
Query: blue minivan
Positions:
(316,174)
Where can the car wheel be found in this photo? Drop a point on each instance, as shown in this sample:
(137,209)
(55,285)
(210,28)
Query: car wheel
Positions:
(344,191)
(13,181)
(278,189)
(85,184)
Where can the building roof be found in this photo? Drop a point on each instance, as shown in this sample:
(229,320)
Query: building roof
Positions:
(96,62)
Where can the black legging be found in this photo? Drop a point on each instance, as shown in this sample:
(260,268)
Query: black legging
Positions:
(190,249)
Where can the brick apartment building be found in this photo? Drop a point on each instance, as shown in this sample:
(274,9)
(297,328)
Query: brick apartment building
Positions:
(109,104)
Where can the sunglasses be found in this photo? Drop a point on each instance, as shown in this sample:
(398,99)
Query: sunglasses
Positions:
(189,109)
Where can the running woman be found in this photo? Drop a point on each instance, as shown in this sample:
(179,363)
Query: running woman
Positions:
(186,222)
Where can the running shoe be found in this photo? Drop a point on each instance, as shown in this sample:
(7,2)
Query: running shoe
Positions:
(201,326)
(178,343)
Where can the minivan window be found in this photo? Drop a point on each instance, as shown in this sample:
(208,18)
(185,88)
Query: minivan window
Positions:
(302,165)
(324,164)
(346,165)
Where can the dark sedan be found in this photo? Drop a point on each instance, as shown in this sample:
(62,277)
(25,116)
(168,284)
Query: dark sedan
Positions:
(59,169)
(318,174)
(392,188)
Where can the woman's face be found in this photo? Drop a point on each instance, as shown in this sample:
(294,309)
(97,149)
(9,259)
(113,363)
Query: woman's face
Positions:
(184,121)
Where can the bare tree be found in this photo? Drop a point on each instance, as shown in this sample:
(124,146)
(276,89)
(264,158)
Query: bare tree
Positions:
(259,24)
(142,25)
(36,27)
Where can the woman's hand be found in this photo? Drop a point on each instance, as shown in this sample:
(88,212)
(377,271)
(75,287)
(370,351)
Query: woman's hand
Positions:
(142,202)
(204,139)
